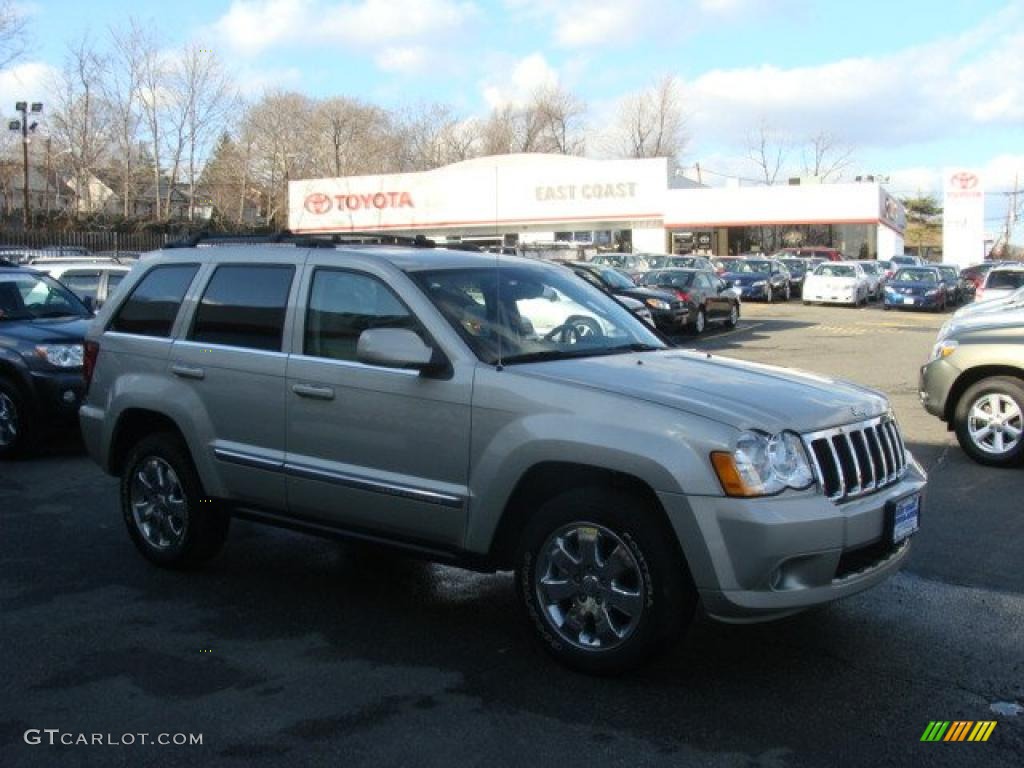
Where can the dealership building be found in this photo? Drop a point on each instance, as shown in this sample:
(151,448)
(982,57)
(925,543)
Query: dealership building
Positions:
(634,204)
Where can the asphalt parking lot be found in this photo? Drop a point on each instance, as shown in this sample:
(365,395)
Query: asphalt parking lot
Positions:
(288,650)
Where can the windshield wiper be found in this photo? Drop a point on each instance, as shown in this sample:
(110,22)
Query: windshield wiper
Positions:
(566,354)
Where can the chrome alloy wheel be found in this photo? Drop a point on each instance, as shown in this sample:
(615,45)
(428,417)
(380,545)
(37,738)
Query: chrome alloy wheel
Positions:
(590,586)
(995,423)
(158,503)
(8,421)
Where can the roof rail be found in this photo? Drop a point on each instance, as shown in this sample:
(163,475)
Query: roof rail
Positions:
(315,241)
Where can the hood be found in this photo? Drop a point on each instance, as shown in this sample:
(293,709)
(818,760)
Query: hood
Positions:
(741,394)
(981,322)
(914,286)
(640,293)
(1006,304)
(55,331)
(745,278)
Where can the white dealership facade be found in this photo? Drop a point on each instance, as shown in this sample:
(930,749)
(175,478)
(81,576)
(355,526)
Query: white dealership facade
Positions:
(517,199)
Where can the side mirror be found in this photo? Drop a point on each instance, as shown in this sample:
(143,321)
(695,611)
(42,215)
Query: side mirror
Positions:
(394,348)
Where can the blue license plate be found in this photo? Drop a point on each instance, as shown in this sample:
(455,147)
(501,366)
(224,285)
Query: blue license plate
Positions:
(906,517)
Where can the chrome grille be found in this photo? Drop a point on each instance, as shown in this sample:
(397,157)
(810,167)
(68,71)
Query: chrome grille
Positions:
(857,459)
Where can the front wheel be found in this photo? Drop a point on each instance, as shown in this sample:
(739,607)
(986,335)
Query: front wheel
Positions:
(170,520)
(989,421)
(699,322)
(602,584)
(734,316)
(15,427)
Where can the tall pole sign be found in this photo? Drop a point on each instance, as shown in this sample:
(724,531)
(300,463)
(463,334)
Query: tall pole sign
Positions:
(963,217)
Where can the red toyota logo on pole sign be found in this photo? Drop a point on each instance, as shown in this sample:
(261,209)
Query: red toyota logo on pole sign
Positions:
(963,180)
(317,203)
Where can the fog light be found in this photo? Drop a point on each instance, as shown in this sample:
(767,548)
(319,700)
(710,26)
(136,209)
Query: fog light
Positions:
(69,396)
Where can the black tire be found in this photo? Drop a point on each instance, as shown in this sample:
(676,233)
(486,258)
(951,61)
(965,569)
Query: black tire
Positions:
(662,590)
(998,386)
(700,322)
(202,523)
(16,428)
(734,316)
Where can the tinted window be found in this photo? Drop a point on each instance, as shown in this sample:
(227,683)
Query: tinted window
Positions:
(113,280)
(344,304)
(244,306)
(83,283)
(153,305)
(997,279)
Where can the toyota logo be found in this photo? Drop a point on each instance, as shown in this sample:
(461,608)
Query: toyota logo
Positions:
(317,203)
(963,180)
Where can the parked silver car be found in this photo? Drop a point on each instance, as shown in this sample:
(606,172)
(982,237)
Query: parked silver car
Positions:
(496,416)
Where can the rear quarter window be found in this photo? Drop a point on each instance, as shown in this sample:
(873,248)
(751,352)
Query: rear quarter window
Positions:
(154,302)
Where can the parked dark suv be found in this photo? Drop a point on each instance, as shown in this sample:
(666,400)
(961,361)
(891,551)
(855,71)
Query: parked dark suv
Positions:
(42,327)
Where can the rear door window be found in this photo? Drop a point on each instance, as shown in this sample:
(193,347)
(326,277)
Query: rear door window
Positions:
(82,282)
(154,303)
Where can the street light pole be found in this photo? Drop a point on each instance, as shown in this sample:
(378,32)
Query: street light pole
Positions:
(14,125)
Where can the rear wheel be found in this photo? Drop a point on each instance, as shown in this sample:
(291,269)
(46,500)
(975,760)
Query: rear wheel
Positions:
(170,520)
(602,584)
(989,421)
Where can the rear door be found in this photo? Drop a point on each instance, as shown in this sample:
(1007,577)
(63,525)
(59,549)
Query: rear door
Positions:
(231,362)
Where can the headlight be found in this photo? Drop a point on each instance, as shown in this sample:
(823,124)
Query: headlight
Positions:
(944,348)
(933,292)
(657,304)
(758,284)
(62,355)
(763,465)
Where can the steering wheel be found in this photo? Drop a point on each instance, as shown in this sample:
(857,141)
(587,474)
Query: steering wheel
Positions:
(575,329)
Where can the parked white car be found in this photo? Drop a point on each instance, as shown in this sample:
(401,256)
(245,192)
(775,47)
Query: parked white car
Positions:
(875,275)
(92,279)
(837,282)
(1006,304)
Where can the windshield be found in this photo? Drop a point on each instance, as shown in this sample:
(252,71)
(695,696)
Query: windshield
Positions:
(794,265)
(871,268)
(619,260)
(669,278)
(829,269)
(533,313)
(615,279)
(916,276)
(949,273)
(749,266)
(903,260)
(27,296)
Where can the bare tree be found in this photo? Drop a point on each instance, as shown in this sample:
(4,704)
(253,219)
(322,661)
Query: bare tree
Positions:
(432,135)
(826,155)
(121,89)
(560,114)
(651,123)
(354,138)
(78,120)
(767,149)
(12,32)
(152,82)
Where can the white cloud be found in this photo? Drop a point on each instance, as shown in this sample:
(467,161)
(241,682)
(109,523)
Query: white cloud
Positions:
(31,81)
(404,60)
(947,87)
(253,26)
(527,76)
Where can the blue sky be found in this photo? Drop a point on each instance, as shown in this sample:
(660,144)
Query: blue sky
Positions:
(913,86)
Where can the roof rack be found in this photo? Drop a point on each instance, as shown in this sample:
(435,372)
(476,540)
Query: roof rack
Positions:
(287,237)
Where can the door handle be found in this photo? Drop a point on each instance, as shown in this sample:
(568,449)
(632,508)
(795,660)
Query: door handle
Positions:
(187,372)
(316,393)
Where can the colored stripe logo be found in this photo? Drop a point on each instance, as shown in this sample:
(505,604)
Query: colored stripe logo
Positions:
(958,730)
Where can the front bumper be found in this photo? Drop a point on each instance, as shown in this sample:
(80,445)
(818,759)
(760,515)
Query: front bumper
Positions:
(759,559)
(916,302)
(749,292)
(830,297)
(57,395)
(935,382)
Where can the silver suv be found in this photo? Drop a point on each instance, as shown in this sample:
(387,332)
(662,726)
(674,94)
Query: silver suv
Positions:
(495,415)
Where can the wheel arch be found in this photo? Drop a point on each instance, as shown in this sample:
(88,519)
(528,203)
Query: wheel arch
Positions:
(547,479)
(972,376)
(132,425)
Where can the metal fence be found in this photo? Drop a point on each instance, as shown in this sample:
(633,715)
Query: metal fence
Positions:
(71,242)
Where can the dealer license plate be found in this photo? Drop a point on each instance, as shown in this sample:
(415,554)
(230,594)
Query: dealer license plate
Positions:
(905,517)
(908,300)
